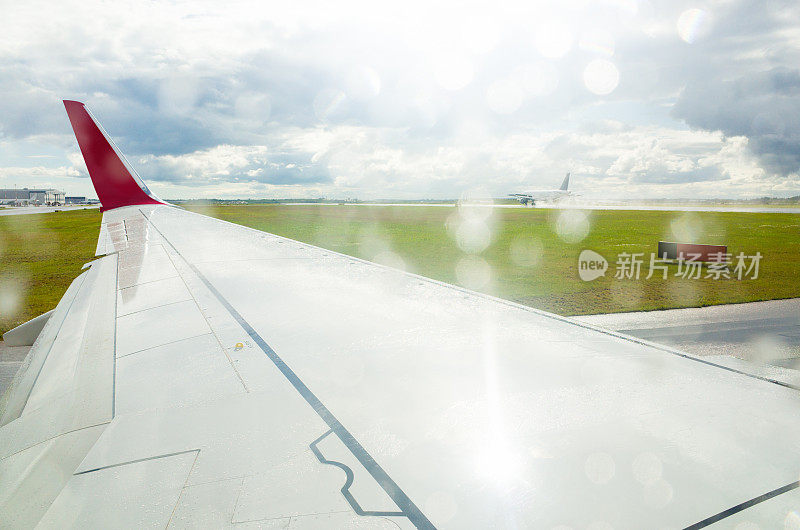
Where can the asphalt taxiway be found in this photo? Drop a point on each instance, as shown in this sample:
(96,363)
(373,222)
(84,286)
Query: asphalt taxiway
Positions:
(583,206)
(686,208)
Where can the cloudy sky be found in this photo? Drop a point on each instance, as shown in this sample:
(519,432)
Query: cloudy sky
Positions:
(409,99)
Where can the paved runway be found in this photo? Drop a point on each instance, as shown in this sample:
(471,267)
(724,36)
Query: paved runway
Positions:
(766,332)
(668,208)
(564,206)
(587,206)
(759,338)
(27,210)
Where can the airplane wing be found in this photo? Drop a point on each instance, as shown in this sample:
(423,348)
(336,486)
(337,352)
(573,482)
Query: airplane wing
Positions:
(203,374)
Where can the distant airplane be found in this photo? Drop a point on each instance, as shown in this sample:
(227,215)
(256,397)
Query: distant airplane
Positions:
(530,197)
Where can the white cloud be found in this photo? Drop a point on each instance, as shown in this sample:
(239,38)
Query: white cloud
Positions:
(38,172)
(414,100)
(376,163)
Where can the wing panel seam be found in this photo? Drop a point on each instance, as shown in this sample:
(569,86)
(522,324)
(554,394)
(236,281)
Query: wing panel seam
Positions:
(724,514)
(138,460)
(409,509)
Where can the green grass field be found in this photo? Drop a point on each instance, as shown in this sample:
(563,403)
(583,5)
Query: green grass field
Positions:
(40,255)
(530,255)
(534,265)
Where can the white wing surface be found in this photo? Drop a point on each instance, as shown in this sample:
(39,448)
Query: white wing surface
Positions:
(202,374)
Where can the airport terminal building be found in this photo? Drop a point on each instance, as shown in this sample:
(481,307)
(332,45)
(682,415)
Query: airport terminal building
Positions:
(27,196)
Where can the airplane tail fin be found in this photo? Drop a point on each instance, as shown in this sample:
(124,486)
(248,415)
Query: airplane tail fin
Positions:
(565,184)
(114,180)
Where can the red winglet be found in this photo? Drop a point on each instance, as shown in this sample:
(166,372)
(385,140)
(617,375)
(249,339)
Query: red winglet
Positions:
(115,182)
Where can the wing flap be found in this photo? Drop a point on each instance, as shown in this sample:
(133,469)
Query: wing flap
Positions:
(61,399)
(16,395)
(32,479)
(69,385)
